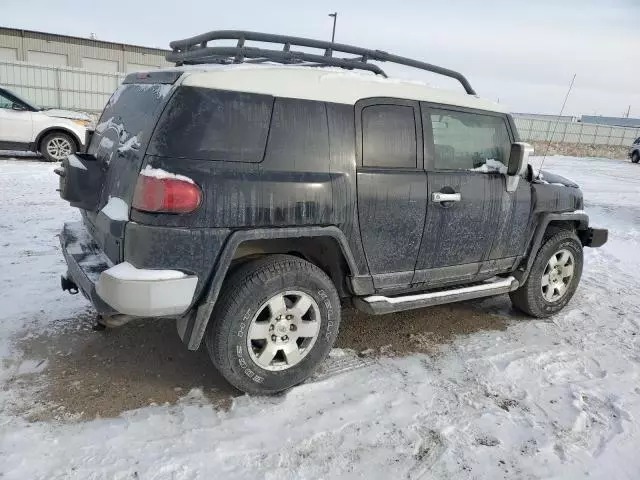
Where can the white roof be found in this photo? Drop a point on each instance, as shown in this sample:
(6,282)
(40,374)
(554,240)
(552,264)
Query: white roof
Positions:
(324,84)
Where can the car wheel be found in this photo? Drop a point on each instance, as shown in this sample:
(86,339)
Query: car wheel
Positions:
(57,146)
(275,321)
(635,158)
(554,276)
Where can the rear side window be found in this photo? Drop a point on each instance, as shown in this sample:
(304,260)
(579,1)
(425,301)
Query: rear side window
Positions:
(468,141)
(299,135)
(389,136)
(637,141)
(206,124)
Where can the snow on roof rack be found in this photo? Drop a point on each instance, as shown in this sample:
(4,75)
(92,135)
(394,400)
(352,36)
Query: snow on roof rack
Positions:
(195,50)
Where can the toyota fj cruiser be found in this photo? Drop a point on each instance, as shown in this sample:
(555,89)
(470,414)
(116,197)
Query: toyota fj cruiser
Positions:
(246,200)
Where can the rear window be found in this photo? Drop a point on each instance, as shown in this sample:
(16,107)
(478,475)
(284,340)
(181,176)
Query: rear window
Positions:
(130,115)
(206,124)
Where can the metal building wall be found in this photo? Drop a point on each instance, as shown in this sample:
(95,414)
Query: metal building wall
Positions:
(60,87)
(75,49)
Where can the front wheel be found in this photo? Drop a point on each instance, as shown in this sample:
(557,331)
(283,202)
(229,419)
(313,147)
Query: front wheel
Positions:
(554,276)
(635,158)
(57,146)
(275,322)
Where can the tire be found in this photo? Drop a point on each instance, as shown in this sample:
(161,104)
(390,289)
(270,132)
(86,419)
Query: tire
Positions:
(635,158)
(56,146)
(249,324)
(533,297)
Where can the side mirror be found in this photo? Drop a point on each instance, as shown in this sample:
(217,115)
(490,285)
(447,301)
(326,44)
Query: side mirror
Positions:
(518,161)
(18,107)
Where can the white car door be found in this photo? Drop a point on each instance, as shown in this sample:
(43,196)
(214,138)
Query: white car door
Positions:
(16,123)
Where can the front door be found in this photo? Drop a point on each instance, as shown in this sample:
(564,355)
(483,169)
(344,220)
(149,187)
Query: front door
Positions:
(467,153)
(16,126)
(392,188)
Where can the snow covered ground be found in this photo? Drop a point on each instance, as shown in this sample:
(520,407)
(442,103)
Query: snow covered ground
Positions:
(541,399)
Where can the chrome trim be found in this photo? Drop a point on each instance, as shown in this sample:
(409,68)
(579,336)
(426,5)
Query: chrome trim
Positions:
(439,197)
(509,282)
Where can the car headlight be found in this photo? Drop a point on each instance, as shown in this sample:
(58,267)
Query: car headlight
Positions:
(82,123)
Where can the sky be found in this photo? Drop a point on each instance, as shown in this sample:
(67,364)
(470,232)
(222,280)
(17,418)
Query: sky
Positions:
(518,52)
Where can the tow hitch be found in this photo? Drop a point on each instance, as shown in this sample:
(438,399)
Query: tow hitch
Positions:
(68,285)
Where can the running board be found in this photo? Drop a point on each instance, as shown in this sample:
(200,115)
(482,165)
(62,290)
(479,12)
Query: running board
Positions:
(378,304)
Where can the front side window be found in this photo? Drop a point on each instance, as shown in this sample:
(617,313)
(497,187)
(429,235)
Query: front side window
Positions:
(389,136)
(469,141)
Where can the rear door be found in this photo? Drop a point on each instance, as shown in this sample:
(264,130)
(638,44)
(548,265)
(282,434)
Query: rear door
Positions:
(467,153)
(16,126)
(119,143)
(392,188)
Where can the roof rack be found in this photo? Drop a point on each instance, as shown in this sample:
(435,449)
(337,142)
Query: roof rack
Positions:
(195,50)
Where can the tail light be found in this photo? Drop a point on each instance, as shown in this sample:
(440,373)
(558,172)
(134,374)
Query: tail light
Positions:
(166,195)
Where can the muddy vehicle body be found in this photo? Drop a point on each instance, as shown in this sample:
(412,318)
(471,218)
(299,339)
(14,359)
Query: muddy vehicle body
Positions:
(245,201)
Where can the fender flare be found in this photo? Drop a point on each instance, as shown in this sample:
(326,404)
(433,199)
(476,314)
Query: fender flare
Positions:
(578,216)
(48,130)
(195,325)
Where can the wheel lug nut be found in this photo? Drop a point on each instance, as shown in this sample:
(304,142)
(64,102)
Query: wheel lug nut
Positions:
(271,328)
(292,327)
(274,338)
(289,317)
(285,338)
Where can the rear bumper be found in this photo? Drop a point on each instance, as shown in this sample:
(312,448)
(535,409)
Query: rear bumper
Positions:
(594,237)
(122,288)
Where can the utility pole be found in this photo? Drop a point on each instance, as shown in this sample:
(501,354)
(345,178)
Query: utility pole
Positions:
(335,19)
(628,111)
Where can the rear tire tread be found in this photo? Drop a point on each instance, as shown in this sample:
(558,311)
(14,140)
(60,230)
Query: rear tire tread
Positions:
(247,280)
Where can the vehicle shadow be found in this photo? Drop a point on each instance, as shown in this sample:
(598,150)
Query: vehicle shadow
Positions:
(92,374)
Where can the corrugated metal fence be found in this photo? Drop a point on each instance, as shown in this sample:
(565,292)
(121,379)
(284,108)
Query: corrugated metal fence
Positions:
(60,87)
(78,89)
(575,132)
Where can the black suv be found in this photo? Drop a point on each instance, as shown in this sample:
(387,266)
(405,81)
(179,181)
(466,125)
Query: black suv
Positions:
(246,200)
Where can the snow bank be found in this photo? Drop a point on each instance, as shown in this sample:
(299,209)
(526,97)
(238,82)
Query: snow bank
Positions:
(556,398)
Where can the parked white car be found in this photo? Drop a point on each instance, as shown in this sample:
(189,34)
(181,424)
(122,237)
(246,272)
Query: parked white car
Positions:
(56,134)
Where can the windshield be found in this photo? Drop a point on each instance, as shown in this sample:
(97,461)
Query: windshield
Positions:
(15,96)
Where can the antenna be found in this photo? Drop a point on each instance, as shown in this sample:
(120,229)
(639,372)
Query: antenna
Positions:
(556,125)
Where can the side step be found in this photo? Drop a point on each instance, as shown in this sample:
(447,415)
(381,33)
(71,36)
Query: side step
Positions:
(378,304)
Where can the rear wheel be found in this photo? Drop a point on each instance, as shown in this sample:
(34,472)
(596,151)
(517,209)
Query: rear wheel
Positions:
(554,276)
(635,158)
(57,146)
(275,322)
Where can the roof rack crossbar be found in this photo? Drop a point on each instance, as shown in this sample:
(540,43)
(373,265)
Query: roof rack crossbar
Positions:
(195,50)
(237,55)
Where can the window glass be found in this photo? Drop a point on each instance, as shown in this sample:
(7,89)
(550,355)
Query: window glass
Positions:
(5,102)
(469,141)
(299,136)
(206,124)
(389,136)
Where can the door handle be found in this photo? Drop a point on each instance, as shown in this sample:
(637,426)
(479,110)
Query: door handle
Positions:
(439,197)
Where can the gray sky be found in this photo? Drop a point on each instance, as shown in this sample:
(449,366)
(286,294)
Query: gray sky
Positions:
(522,52)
